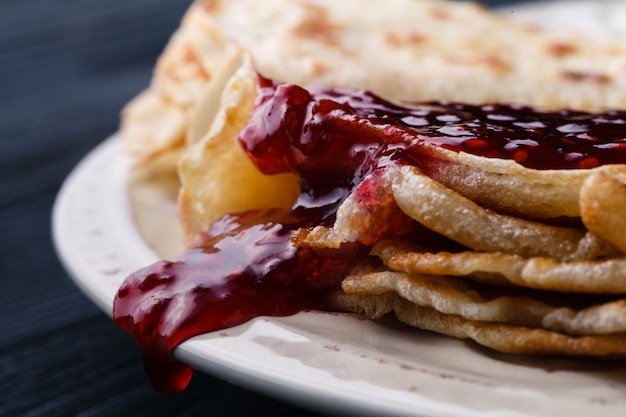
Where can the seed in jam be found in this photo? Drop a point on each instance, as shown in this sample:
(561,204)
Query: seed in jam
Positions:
(246,265)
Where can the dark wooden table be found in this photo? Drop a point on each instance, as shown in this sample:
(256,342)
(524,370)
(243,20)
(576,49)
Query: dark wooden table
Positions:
(66,69)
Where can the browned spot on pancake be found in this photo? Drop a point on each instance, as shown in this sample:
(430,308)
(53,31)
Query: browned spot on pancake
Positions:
(211,6)
(491,62)
(561,49)
(440,13)
(582,76)
(191,58)
(399,40)
(319,68)
(317,26)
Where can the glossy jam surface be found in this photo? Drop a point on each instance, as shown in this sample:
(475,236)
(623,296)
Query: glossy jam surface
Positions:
(246,266)
(539,140)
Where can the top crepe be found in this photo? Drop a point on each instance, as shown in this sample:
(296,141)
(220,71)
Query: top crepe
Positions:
(399,49)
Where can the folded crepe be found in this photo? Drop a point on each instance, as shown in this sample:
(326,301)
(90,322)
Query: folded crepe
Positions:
(399,49)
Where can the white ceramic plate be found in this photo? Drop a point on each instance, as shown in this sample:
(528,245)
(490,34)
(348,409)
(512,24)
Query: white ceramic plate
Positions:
(331,363)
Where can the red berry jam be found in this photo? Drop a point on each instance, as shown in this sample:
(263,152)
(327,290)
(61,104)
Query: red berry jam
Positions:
(246,266)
